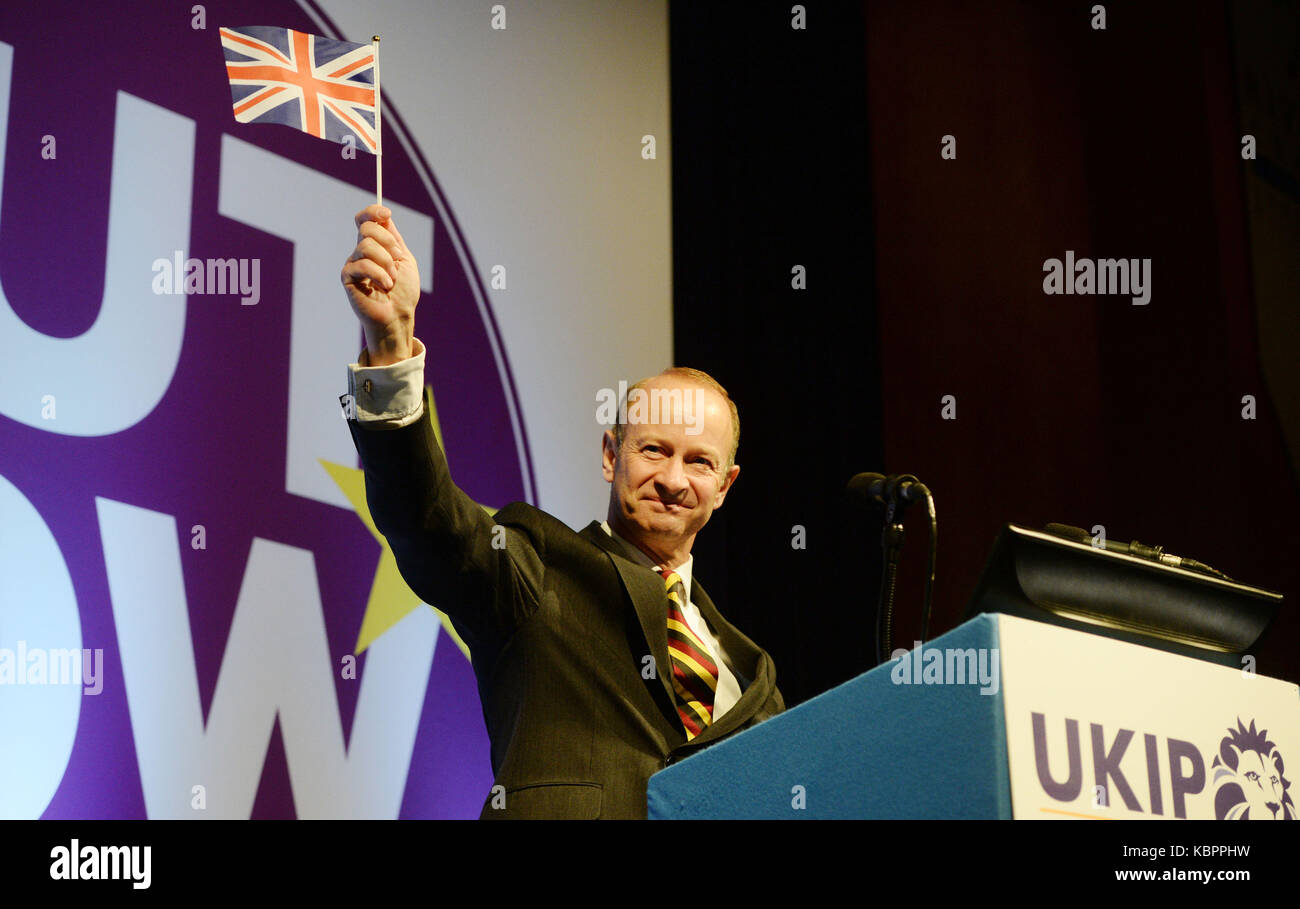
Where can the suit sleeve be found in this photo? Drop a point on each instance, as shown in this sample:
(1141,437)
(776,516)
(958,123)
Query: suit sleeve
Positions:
(485,573)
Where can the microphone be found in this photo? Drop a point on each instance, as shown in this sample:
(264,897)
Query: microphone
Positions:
(1140,550)
(903,488)
(896,492)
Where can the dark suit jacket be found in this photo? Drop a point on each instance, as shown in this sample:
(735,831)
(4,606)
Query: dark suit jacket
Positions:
(568,637)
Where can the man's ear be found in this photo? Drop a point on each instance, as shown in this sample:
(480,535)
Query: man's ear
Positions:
(726,485)
(608,455)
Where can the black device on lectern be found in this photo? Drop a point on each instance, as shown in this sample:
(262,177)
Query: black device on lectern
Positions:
(1051,578)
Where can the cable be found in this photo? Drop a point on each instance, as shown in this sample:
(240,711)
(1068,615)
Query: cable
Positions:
(929,579)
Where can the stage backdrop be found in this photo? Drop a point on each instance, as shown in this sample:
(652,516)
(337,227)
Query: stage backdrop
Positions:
(196,620)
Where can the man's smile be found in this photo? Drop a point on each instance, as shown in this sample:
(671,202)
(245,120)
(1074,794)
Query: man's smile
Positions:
(667,506)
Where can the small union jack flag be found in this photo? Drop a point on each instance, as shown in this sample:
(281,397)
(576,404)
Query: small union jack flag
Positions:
(318,85)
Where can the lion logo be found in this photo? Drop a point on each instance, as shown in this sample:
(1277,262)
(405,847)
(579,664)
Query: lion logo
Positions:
(1249,778)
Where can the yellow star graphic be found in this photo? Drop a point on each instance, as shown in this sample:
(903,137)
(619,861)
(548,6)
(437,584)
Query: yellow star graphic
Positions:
(390,599)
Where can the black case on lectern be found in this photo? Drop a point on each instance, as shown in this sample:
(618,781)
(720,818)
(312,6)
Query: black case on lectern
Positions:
(1036,575)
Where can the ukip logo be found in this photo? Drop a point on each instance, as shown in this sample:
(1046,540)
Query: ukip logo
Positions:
(176,486)
(1250,778)
(1248,783)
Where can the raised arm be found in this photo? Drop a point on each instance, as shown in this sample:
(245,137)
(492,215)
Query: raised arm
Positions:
(482,572)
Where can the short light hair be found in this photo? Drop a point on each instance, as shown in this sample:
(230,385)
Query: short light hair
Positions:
(700,377)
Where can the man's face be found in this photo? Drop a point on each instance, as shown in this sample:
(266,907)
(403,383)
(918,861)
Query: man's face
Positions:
(672,469)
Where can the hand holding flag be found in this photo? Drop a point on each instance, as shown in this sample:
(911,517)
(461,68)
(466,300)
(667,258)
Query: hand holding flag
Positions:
(382,280)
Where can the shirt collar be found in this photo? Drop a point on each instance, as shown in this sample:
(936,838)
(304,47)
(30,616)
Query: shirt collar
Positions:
(636,555)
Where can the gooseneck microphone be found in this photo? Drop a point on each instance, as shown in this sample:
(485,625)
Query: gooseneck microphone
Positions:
(896,492)
(903,488)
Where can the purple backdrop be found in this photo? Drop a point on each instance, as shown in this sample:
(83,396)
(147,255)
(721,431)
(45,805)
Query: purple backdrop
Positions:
(212,451)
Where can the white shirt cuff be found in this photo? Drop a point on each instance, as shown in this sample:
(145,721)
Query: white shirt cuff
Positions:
(387,397)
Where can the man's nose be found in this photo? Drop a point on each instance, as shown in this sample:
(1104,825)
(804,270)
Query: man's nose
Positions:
(673,477)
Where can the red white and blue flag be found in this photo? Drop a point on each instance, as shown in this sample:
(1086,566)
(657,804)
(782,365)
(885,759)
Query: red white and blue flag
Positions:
(318,85)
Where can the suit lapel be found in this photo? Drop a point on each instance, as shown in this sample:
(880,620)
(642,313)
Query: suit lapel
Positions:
(745,658)
(646,589)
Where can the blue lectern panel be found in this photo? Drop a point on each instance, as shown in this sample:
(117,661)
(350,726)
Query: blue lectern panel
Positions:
(905,740)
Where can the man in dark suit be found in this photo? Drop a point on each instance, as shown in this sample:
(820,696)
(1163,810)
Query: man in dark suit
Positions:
(599,659)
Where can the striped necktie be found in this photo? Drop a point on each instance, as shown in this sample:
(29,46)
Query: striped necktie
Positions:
(695,674)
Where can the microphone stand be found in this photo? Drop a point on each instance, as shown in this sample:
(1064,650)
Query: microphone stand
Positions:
(895,493)
(929,577)
(891,544)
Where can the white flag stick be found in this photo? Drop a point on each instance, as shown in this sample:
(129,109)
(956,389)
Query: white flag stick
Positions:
(379,142)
